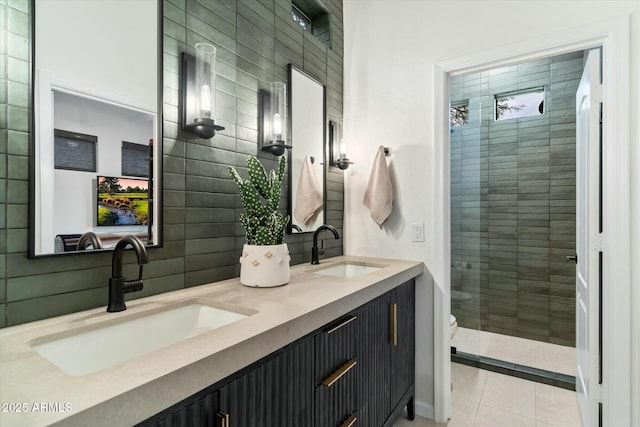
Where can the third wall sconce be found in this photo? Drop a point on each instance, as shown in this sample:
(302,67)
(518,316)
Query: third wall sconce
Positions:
(337,146)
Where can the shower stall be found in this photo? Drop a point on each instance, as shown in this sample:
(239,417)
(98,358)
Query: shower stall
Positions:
(513,178)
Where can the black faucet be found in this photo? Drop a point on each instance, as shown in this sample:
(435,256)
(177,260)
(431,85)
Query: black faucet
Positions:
(117,285)
(89,238)
(314,250)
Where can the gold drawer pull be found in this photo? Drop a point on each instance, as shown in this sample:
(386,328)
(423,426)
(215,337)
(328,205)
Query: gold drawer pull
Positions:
(331,379)
(223,419)
(349,421)
(340,325)
(393,324)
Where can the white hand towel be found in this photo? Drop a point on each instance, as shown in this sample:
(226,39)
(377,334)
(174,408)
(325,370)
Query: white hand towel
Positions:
(309,194)
(379,194)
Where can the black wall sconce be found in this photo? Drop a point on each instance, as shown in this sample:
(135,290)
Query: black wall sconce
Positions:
(198,88)
(337,146)
(273,126)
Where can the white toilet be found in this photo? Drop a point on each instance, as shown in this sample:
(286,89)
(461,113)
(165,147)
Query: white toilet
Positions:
(453,326)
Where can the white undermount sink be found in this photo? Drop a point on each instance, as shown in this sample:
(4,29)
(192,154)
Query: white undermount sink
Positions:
(348,270)
(97,349)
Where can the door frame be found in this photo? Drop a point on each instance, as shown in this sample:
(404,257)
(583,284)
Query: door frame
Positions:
(613,36)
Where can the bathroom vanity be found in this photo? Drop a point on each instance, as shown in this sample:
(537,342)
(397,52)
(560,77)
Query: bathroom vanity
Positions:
(333,347)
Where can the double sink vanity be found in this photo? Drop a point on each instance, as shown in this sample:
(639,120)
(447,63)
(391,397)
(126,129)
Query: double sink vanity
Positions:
(333,347)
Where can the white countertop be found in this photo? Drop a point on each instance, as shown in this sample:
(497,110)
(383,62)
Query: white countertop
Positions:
(141,387)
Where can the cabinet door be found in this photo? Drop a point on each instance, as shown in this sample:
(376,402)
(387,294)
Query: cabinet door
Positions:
(276,393)
(402,318)
(374,350)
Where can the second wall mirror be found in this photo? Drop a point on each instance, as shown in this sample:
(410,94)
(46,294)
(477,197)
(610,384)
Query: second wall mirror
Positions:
(307,163)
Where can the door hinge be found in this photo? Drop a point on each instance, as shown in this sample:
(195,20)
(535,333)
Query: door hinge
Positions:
(597,392)
(598,242)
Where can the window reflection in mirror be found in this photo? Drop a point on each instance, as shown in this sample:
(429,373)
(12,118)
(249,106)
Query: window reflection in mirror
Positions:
(96,114)
(306,158)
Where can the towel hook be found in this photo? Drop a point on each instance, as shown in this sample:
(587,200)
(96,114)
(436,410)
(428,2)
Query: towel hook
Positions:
(387,152)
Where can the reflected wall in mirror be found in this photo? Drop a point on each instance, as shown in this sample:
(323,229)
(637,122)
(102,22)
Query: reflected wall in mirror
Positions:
(97,116)
(307,164)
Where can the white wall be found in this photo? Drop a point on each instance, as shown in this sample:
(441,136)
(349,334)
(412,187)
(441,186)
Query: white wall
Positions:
(391,47)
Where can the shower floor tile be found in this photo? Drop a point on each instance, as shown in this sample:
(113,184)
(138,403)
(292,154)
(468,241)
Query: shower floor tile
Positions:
(522,351)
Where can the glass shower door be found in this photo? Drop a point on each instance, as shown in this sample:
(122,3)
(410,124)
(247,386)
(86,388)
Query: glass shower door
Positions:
(469,176)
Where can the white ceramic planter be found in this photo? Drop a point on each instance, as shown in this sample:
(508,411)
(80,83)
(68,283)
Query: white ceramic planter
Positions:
(264,266)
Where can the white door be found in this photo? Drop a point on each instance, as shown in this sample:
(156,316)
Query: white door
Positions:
(588,101)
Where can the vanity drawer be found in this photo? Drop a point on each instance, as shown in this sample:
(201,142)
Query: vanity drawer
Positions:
(335,345)
(336,400)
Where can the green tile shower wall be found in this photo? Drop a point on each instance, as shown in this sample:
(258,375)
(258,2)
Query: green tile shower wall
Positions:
(256,39)
(513,204)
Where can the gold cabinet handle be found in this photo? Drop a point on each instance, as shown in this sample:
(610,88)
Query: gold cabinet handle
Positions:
(393,324)
(341,324)
(222,419)
(349,421)
(331,379)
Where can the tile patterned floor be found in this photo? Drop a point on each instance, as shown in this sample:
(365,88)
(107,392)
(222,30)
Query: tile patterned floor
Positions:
(537,354)
(487,399)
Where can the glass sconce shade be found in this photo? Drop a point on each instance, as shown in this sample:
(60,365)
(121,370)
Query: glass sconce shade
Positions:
(278,104)
(337,145)
(205,80)
(198,86)
(274,120)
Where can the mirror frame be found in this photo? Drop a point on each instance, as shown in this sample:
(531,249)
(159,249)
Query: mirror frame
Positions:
(290,69)
(155,182)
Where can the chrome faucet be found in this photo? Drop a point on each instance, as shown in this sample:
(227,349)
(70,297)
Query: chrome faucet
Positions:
(117,285)
(314,250)
(89,238)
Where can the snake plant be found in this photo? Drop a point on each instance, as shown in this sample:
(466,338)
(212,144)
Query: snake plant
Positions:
(263,223)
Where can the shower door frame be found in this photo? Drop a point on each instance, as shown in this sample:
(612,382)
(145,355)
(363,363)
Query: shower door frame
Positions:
(613,36)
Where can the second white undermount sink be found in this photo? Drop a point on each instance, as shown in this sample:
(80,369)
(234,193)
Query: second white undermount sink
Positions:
(91,351)
(348,270)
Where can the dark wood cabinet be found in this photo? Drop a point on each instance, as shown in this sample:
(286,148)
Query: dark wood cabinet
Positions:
(402,363)
(357,371)
(387,348)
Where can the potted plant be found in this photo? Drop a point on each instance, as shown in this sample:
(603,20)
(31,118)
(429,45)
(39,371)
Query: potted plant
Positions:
(265,258)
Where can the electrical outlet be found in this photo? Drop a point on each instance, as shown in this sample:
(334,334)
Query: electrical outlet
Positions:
(417,232)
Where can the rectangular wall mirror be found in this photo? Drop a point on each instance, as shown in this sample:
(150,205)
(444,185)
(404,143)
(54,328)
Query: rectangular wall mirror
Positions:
(97,124)
(307,163)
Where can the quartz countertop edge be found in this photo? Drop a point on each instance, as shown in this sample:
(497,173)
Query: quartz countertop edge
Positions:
(134,390)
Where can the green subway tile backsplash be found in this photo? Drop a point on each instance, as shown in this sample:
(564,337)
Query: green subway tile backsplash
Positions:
(202,237)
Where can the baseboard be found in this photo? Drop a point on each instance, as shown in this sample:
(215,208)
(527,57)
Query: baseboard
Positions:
(424,410)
